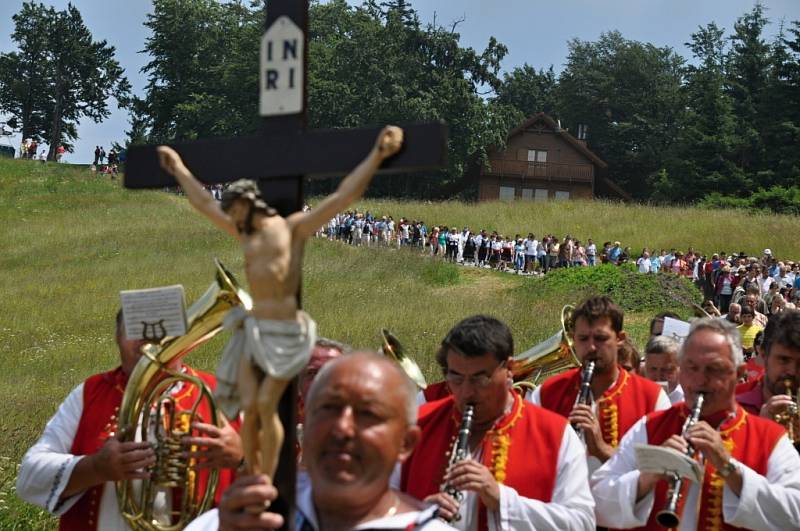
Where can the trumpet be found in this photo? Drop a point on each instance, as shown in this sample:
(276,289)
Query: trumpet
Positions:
(668,517)
(791,416)
(586,388)
(459,452)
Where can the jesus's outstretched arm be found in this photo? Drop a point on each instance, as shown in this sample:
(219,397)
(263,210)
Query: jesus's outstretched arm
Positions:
(352,187)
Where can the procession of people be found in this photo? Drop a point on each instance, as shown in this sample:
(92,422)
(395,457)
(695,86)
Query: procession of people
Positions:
(583,450)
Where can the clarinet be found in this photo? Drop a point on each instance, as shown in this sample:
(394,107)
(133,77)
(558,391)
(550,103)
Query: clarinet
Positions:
(668,517)
(459,452)
(586,388)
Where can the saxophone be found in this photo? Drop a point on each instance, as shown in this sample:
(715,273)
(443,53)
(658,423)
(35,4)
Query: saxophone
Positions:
(459,452)
(668,517)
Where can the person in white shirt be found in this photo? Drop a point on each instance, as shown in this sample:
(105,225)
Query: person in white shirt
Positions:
(504,487)
(643,263)
(360,422)
(661,365)
(752,472)
(531,244)
(591,252)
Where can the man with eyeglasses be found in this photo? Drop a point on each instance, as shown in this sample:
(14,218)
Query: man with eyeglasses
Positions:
(618,398)
(526,469)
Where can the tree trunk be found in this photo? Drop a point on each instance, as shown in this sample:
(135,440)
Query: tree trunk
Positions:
(55,127)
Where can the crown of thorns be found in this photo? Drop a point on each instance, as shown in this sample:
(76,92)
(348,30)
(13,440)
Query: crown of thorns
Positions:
(245,189)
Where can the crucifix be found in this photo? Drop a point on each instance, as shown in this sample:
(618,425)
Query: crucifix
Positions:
(279,159)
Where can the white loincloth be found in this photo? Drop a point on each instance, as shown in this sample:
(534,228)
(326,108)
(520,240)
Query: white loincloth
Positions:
(279,348)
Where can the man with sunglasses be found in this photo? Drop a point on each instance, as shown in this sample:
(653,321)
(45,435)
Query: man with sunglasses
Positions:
(526,468)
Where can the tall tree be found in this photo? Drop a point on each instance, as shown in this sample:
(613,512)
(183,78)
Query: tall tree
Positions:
(58,76)
(529,91)
(701,161)
(629,94)
(203,75)
(748,72)
(23,74)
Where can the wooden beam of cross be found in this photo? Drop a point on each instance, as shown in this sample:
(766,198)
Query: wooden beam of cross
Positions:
(281,157)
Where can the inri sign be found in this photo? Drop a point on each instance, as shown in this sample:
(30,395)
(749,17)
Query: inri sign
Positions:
(281,75)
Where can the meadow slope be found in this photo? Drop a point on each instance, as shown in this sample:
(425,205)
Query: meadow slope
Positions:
(72,241)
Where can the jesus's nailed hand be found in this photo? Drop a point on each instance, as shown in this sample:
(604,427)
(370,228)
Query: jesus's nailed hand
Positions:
(390,140)
(169,159)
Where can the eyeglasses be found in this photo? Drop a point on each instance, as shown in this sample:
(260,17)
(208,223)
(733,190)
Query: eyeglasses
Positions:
(479,381)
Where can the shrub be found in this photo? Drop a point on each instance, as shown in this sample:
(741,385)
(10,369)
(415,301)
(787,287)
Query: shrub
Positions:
(631,290)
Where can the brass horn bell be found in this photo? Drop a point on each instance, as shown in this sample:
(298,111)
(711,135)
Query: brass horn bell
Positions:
(173,494)
(552,356)
(392,348)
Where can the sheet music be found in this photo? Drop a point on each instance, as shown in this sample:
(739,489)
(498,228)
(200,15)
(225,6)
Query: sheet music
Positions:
(154,312)
(660,460)
(676,329)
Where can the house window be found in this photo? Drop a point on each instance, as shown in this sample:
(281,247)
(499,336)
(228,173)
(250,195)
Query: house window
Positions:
(540,194)
(507,193)
(561,195)
(537,155)
(527,193)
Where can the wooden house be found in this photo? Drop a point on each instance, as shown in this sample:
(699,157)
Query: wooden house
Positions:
(542,161)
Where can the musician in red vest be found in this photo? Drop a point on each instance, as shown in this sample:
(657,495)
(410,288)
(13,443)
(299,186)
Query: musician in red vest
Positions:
(526,469)
(781,353)
(619,398)
(71,469)
(752,472)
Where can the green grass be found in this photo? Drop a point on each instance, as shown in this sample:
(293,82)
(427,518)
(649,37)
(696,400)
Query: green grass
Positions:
(71,241)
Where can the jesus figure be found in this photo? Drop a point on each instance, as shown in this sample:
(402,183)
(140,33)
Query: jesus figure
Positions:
(273,342)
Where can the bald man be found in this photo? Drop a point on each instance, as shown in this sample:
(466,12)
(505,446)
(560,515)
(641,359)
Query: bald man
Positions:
(360,423)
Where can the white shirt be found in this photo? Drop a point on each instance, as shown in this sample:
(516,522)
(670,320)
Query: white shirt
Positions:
(764,284)
(209,521)
(676,395)
(48,465)
(570,508)
(766,502)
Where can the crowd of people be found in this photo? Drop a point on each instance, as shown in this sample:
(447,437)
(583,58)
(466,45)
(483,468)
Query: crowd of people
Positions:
(373,455)
(718,275)
(29,149)
(108,167)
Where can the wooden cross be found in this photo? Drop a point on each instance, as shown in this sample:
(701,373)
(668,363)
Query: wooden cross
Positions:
(281,157)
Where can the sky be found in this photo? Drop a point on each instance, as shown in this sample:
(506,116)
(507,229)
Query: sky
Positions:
(535,31)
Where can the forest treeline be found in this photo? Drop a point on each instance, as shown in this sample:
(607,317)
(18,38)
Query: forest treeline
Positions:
(719,127)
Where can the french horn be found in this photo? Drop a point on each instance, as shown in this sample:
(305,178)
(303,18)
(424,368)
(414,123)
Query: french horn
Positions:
(149,412)
(552,356)
(391,348)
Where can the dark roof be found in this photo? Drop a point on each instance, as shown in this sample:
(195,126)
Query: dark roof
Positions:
(571,140)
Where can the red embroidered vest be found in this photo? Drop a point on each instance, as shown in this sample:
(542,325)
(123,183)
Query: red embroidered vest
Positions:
(748,438)
(618,409)
(507,450)
(436,391)
(102,397)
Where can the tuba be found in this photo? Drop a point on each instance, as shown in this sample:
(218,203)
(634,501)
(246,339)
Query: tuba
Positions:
(391,348)
(149,412)
(552,356)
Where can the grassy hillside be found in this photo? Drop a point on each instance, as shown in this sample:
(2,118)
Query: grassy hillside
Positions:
(72,241)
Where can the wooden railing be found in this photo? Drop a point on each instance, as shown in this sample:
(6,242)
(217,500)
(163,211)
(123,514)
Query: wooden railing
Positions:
(540,170)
